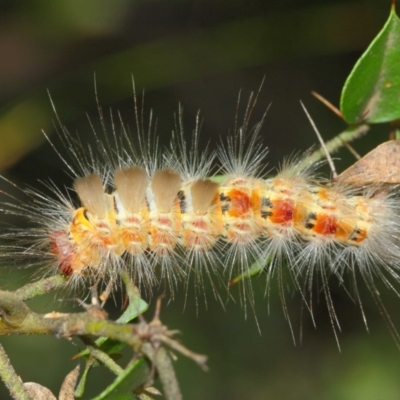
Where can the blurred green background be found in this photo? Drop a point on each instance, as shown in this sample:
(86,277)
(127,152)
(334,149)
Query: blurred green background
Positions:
(200,54)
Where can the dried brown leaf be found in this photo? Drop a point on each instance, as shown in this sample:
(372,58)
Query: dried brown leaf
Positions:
(68,387)
(381,165)
(38,392)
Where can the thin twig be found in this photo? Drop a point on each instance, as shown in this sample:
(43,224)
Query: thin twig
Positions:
(10,378)
(41,287)
(328,104)
(335,144)
(161,359)
(105,359)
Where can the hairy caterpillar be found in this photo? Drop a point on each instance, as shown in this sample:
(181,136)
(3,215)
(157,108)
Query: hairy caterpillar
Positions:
(158,213)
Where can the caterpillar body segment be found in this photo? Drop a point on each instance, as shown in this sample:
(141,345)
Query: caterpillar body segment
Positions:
(168,217)
(161,215)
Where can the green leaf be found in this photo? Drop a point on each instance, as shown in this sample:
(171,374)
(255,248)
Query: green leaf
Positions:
(372,90)
(255,269)
(134,376)
(80,388)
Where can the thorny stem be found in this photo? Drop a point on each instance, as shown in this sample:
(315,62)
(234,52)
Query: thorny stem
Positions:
(162,361)
(143,337)
(10,378)
(105,359)
(43,286)
(199,359)
(17,318)
(335,144)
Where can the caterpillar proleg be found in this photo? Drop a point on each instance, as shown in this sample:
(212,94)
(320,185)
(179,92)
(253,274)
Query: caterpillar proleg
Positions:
(159,213)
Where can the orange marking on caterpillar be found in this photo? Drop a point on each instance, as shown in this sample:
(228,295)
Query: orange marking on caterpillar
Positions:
(282,211)
(240,203)
(325,225)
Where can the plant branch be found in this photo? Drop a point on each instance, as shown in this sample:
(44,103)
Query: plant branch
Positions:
(145,338)
(162,361)
(335,144)
(106,360)
(42,286)
(10,378)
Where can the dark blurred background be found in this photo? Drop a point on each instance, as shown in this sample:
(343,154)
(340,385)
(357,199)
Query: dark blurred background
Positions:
(200,54)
